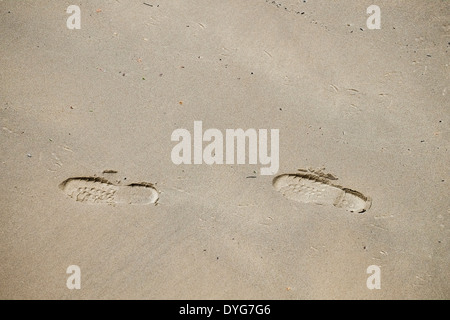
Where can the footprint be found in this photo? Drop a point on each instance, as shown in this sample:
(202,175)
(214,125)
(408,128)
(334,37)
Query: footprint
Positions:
(311,188)
(99,190)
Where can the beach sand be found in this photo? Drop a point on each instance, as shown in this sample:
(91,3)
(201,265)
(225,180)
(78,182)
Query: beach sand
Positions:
(369,107)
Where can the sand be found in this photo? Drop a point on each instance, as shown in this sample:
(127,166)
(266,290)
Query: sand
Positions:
(369,107)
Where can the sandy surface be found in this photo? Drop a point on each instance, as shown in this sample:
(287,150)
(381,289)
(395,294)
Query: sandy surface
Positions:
(369,106)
